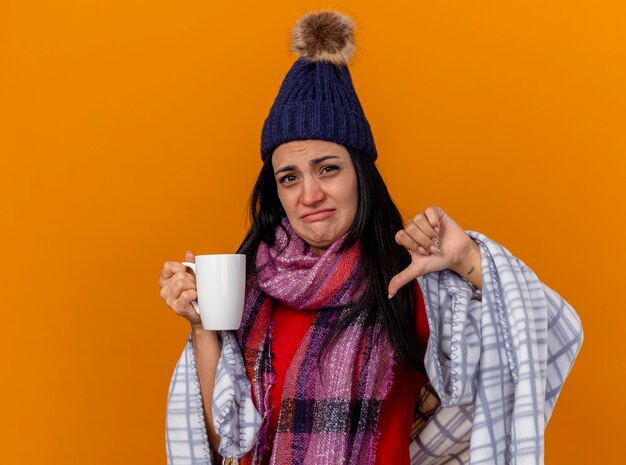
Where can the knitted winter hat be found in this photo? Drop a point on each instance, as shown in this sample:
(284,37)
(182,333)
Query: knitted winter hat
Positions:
(317,99)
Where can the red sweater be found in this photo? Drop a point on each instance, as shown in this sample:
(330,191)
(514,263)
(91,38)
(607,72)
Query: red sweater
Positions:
(396,418)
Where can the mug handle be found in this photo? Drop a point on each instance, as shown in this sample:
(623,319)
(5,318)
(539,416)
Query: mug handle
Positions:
(193,267)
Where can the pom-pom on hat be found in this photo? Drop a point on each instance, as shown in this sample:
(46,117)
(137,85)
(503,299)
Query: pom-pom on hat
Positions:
(317,99)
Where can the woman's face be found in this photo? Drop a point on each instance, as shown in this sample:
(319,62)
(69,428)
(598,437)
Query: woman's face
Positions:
(317,187)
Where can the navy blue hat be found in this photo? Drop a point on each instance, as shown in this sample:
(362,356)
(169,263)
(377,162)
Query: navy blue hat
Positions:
(317,99)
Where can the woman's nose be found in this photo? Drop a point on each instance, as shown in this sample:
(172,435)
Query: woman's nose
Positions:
(312,192)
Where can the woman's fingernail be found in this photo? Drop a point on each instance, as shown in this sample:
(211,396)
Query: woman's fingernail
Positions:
(435,249)
(436,229)
(422,250)
(390,296)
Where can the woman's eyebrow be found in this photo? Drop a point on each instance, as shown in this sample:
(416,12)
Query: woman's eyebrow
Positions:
(313,162)
(286,168)
(319,160)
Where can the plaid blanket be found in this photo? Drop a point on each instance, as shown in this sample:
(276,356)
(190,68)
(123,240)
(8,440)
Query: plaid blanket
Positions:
(497,359)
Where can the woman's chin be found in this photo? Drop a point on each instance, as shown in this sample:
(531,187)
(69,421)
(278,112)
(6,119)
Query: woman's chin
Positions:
(322,242)
(320,234)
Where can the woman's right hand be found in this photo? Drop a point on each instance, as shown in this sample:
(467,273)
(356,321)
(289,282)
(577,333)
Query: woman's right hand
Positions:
(178,289)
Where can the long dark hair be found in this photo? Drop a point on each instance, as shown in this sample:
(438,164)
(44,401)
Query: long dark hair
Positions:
(376,223)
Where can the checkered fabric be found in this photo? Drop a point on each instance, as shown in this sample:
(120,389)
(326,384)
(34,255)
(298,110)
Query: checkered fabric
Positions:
(496,366)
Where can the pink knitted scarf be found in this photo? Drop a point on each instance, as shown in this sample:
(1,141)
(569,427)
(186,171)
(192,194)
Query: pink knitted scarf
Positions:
(328,414)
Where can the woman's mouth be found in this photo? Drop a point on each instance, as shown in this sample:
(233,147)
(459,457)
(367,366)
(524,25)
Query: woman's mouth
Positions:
(320,215)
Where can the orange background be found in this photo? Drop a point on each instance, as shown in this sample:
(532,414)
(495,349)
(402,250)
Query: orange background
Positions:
(130,133)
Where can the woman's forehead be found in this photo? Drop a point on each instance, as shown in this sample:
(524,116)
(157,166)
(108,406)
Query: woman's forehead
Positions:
(298,151)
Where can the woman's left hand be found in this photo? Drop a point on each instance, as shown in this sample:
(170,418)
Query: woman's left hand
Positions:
(420,236)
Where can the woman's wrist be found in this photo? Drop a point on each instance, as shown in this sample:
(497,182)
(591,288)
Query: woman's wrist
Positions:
(198,333)
(198,328)
(470,266)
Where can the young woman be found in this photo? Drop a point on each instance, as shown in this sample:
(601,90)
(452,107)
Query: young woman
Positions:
(335,327)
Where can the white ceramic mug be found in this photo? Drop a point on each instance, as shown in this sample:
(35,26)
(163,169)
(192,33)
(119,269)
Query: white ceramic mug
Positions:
(220,284)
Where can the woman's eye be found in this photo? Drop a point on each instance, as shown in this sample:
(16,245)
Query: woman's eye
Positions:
(330,168)
(284,178)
